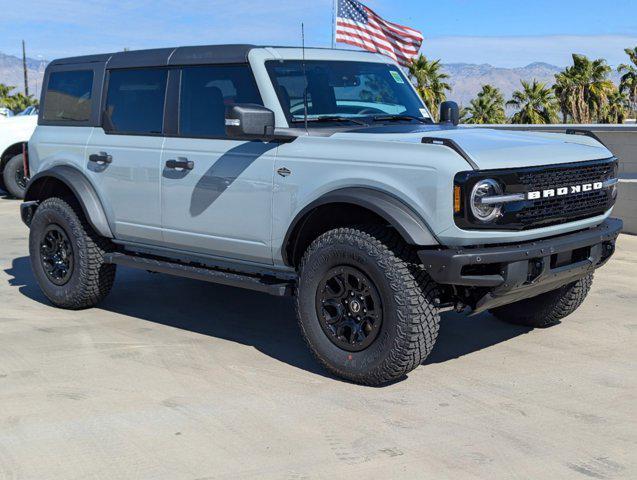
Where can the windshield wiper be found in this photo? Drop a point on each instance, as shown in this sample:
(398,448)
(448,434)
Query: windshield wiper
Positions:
(398,118)
(329,118)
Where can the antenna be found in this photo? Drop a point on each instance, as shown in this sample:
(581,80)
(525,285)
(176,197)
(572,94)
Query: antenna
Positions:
(304,75)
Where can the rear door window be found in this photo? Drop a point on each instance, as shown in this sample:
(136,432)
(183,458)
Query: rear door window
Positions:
(135,101)
(68,96)
(205,94)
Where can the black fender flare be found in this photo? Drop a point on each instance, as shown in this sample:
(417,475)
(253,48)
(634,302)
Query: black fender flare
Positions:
(399,215)
(81,187)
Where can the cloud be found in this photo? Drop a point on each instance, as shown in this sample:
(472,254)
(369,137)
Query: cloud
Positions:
(523,50)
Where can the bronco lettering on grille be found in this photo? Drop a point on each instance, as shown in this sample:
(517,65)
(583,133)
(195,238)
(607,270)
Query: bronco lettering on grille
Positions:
(563,191)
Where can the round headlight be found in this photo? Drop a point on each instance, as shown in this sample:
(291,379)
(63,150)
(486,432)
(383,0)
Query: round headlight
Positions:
(482,211)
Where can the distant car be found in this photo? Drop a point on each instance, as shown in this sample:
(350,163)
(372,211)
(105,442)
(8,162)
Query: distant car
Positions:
(32,110)
(5,112)
(15,132)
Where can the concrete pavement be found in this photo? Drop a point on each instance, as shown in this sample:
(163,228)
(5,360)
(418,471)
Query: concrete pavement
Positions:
(175,379)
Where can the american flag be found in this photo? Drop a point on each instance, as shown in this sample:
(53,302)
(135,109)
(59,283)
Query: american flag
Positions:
(360,26)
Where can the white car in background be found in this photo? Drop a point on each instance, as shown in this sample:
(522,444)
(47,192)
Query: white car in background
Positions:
(15,132)
(5,113)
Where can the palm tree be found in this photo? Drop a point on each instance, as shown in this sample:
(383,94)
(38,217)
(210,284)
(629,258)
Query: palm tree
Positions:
(5,90)
(536,104)
(430,82)
(628,82)
(19,101)
(566,90)
(487,107)
(583,89)
(616,108)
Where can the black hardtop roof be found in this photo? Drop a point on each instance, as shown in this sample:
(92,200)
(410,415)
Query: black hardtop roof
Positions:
(234,53)
(158,57)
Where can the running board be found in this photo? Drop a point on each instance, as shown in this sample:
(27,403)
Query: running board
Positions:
(265,284)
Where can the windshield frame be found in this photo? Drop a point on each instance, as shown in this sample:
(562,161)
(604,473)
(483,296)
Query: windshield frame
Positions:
(294,121)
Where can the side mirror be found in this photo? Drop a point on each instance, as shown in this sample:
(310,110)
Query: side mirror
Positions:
(449,113)
(249,122)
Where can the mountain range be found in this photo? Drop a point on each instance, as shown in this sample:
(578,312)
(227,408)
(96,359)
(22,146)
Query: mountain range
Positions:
(11,72)
(466,79)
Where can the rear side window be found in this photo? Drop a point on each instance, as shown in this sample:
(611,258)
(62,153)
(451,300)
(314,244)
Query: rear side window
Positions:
(205,93)
(135,101)
(68,96)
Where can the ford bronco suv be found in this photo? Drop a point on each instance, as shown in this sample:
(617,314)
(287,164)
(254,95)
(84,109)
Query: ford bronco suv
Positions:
(316,173)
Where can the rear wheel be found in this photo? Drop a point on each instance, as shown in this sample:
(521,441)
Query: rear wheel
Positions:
(13,175)
(365,306)
(547,309)
(67,256)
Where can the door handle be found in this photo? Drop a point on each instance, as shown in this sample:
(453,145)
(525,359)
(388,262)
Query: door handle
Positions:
(181,163)
(101,157)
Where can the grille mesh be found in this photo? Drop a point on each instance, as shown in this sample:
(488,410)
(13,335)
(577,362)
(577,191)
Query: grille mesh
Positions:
(582,205)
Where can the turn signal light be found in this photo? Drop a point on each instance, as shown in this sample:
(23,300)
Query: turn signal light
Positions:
(456,199)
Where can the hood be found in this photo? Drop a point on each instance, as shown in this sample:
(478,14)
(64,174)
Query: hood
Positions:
(19,125)
(493,149)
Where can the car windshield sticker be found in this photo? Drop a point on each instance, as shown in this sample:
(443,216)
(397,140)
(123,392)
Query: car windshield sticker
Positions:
(397,77)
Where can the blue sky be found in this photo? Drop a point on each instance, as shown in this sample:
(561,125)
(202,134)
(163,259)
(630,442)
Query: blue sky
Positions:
(502,33)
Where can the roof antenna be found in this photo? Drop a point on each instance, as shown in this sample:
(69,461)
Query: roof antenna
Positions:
(304,75)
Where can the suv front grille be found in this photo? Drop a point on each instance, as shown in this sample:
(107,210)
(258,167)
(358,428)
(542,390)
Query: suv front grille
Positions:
(570,207)
(528,214)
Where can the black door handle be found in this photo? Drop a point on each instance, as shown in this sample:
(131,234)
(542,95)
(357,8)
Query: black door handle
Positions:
(180,163)
(102,157)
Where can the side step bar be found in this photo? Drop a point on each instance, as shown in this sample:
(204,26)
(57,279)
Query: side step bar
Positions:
(265,284)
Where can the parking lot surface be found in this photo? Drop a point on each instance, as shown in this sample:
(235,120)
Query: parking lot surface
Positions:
(174,379)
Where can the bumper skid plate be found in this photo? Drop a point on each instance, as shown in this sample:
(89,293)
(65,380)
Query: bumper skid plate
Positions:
(513,272)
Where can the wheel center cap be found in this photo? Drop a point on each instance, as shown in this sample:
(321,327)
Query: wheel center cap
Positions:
(354,306)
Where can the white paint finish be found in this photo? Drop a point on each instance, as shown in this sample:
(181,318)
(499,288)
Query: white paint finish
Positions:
(51,146)
(130,186)
(16,130)
(223,206)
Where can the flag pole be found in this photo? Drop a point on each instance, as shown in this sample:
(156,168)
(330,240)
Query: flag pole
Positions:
(334,23)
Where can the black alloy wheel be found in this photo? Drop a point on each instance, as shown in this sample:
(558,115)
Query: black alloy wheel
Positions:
(56,255)
(349,308)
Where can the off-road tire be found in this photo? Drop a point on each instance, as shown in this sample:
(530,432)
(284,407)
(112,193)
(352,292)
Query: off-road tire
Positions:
(410,318)
(91,278)
(11,168)
(547,309)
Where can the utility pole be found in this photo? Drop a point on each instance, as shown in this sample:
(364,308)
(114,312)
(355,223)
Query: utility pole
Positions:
(24,67)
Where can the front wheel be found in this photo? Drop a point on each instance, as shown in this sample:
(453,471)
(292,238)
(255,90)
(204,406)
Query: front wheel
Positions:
(365,306)
(547,309)
(13,175)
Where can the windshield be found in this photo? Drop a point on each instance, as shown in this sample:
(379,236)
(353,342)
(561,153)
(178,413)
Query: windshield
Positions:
(345,90)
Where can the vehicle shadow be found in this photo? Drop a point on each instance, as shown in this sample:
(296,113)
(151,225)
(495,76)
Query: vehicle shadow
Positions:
(249,318)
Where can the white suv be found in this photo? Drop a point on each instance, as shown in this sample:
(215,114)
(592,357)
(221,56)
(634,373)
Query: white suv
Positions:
(15,132)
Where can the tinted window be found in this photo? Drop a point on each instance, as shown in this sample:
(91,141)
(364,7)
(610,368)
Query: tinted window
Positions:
(135,101)
(68,96)
(354,89)
(205,93)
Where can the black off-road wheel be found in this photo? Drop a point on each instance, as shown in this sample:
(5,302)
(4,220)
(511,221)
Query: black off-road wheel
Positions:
(67,256)
(365,306)
(547,309)
(13,176)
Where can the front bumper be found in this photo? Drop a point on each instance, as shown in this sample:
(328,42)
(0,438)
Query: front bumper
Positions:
(508,273)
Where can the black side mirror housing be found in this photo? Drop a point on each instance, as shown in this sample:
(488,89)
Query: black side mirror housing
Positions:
(449,113)
(249,122)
